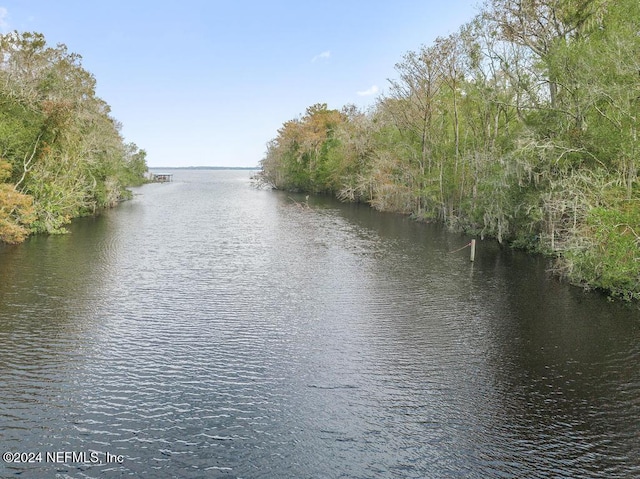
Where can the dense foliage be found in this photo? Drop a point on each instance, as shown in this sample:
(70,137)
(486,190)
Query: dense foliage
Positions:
(521,126)
(61,153)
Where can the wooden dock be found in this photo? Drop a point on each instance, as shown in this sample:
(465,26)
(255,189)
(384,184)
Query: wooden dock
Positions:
(161,178)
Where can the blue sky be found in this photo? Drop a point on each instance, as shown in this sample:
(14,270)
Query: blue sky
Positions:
(198,82)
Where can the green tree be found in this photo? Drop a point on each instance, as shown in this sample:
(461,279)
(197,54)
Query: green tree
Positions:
(64,149)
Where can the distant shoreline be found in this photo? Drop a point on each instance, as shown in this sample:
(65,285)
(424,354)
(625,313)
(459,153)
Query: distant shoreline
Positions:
(204,168)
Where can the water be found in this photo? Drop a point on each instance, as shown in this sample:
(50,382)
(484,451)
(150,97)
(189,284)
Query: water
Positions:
(208,329)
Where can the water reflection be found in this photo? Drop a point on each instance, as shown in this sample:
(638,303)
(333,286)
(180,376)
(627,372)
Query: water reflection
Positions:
(207,329)
(541,356)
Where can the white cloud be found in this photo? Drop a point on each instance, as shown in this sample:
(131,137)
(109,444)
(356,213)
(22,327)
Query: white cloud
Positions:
(324,55)
(4,15)
(370,91)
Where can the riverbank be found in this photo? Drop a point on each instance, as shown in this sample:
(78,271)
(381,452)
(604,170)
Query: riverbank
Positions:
(491,135)
(62,152)
(601,255)
(22,214)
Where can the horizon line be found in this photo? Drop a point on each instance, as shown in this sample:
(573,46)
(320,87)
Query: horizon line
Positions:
(204,167)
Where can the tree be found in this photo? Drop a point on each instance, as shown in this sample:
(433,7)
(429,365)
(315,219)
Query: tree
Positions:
(64,149)
(300,157)
(16,209)
(521,126)
(543,25)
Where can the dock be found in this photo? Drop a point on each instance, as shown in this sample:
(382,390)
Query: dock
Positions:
(161,178)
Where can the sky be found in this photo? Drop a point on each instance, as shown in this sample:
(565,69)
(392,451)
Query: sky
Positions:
(210,82)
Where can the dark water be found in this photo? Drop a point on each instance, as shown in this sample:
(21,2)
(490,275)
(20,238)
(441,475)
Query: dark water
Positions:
(208,329)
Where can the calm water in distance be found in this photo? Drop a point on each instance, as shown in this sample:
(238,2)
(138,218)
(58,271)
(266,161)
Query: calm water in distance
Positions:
(209,329)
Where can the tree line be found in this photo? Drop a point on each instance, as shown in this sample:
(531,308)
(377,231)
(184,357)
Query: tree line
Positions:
(521,125)
(61,152)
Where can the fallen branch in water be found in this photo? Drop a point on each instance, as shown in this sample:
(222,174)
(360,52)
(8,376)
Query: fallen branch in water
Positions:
(460,249)
(304,206)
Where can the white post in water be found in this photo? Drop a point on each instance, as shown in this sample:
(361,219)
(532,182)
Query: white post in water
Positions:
(473,250)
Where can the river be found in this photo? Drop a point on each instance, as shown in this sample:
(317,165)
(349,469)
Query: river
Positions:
(210,329)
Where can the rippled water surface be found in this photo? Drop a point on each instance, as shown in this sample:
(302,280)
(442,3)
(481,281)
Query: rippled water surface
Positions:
(209,329)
